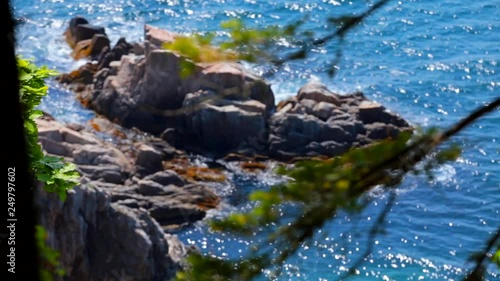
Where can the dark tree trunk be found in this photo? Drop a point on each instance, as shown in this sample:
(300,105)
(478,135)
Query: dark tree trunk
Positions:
(15,160)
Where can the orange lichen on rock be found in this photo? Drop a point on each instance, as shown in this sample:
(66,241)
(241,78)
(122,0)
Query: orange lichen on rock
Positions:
(119,134)
(183,167)
(252,166)
(95,126)
(204,174)
(82,49)
(209,202)
(84,101)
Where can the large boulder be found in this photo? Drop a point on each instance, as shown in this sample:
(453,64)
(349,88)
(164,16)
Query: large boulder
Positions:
(80,29)
(157,36)
(149,91)
(90,47)
(221,125)
(318,92)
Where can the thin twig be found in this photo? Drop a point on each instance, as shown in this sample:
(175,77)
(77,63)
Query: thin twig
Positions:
(484,254)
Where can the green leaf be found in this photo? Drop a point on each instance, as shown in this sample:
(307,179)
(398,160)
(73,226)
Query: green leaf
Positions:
(496,258)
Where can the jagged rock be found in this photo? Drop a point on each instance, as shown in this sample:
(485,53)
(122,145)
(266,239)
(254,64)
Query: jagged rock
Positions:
(149,160)
(90,47)
(167,150)
(99,78)
(170,205)
(71,30)
(79,35)
(99,42)
(232,81)
(89,232)
(84,75)
(87,31)
(55,147)
(138,49)
(96,159)
(166,178)
(318,122)
(317,92)
(169,136)
(157,36)
(89,154)
(152,188)
(108,173)
(121,48)
(237,122)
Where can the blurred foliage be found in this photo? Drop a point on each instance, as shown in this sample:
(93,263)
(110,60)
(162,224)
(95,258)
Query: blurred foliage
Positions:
(57,175)
(49,263)
(263,45)
(496,256)
(318,189)
(54,173)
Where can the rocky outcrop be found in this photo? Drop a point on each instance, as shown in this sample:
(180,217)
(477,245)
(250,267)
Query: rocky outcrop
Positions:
(133,176)
(101,240)
(220,108)
(318,122)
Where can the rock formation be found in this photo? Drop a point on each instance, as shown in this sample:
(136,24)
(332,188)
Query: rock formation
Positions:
(137,179)
(220,108)
(137,187)
(101,240)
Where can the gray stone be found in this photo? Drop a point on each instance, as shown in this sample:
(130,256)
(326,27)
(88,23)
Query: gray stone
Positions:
(51,133)
(55,148)
(323,110)
(152,188)
(107,173)
(89,232)
(149,160)
(309,106)
(86,31)
(71,136)
(380,131)
(317,92)
(166,177)
(169,136)
(224,128)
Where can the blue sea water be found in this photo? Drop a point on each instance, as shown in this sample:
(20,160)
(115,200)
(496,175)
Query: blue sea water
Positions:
(430,61)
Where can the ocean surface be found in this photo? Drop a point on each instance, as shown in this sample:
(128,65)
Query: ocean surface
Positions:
(430,61)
